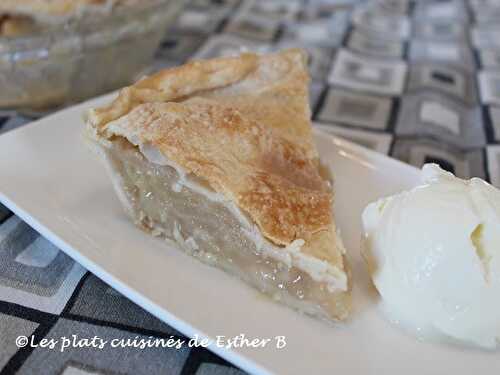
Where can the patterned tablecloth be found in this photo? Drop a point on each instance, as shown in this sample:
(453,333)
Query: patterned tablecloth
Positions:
(418,80)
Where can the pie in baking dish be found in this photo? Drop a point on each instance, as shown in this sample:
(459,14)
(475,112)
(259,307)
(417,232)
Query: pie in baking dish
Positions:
(56,10)
(22,17)
(11,26)
(217,155)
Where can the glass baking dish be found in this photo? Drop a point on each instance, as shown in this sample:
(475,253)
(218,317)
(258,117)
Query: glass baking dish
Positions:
(78,60)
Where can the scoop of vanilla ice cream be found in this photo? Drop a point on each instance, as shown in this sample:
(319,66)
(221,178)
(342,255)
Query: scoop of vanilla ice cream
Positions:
(434,255)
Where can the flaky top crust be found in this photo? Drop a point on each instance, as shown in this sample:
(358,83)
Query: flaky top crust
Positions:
(271,89)
(242,124)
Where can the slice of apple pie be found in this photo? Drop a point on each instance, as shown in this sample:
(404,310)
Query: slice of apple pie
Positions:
(217,155)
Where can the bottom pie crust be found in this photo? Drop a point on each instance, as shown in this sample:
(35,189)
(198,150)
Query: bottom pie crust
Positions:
(198,220)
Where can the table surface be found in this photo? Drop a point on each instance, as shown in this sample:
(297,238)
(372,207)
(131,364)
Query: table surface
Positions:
(419,82)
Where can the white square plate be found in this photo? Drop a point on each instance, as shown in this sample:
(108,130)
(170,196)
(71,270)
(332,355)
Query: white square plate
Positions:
(50,179)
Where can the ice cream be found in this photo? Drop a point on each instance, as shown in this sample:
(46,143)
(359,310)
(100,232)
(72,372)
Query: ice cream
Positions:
(434,255)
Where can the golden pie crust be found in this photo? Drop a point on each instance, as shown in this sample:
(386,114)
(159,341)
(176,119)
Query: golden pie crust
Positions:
(242,124)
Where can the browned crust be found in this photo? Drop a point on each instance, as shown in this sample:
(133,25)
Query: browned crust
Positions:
(242,123)
(175,83)
(270,89)
(265,175)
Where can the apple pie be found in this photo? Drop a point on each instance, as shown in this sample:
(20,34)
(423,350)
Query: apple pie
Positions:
(218,156)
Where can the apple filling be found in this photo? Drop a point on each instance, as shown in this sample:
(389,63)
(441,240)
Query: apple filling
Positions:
(205,225)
